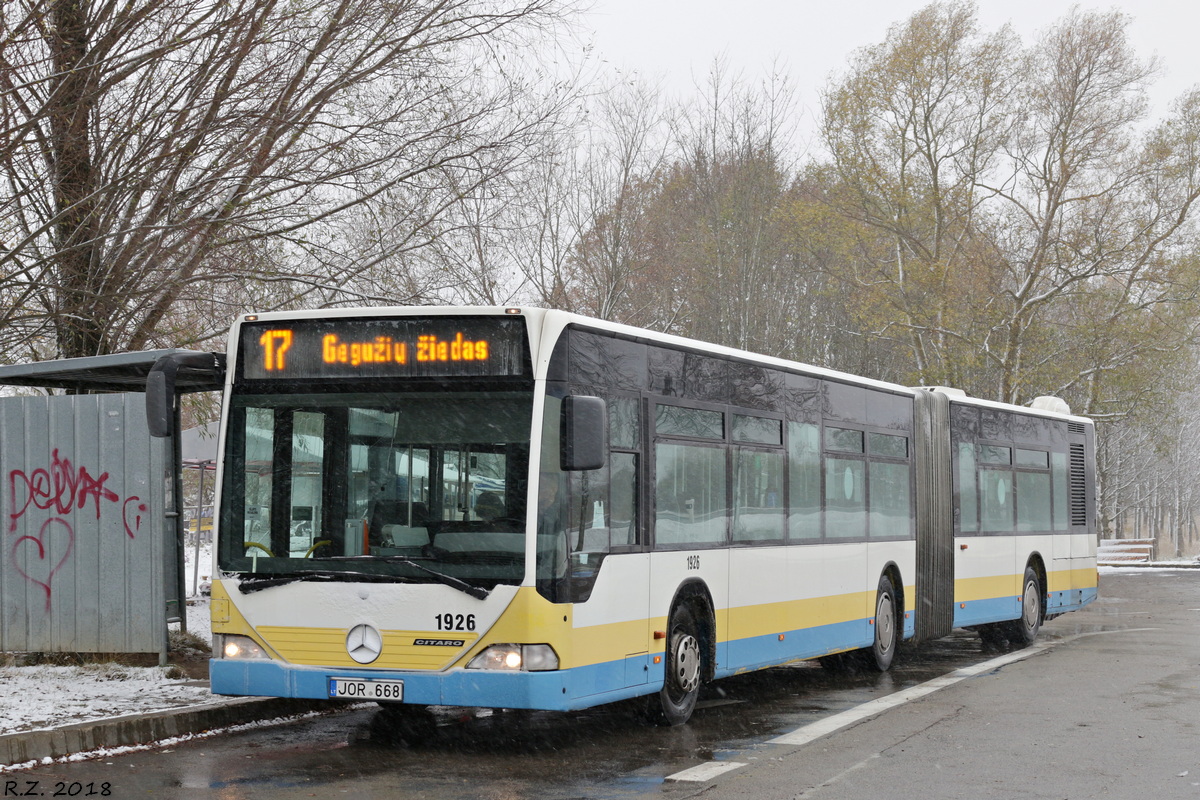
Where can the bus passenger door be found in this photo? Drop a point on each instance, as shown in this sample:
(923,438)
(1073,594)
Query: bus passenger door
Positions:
(627,533)
(986,572)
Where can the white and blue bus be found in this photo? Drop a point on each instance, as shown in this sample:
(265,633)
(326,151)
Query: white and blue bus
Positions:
(523,508)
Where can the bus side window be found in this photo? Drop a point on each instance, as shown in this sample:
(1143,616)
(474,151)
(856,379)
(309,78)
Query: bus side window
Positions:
(587,521)
(804,476)
(689,487)
(622,509)
(624,431)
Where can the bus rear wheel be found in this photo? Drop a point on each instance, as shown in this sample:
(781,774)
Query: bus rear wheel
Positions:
(887,635)
(1023,630)
(681,686)
(882,652)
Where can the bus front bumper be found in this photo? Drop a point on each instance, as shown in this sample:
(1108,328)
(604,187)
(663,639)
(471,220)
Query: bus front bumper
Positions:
(487,688)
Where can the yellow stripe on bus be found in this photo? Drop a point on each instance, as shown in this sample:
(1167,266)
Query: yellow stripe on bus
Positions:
(1064,580)
(967,590)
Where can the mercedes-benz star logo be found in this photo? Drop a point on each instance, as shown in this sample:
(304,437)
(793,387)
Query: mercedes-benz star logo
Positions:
(364,644)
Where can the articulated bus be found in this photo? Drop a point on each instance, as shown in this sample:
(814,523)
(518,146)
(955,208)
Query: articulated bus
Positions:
(528,509)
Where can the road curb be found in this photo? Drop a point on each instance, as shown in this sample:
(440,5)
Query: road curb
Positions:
(135,729)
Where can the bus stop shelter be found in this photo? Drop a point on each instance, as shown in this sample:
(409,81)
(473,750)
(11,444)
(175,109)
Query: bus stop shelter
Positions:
(92,550)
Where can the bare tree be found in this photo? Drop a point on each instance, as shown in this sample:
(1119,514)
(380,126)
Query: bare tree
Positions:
(627,145)
(152,151)
(1148,461)
(912,130)
(689,240)
(1017,228)
(1093,222)
(560,230)
(727,192)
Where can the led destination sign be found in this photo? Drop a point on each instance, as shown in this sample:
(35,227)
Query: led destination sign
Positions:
(361,348)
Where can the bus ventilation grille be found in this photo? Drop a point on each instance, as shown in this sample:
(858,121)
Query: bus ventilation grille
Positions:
(1078,493)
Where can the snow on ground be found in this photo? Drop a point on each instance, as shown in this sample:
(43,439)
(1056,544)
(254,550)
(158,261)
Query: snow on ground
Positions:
(46,697)
(197,616)
(1152,566)
(43,696)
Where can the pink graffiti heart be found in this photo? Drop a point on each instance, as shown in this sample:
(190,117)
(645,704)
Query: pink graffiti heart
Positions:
(44,573)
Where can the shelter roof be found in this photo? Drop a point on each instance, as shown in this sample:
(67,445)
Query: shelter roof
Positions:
(120,372)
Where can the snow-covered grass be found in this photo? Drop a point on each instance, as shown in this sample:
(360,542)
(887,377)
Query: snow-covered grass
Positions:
(46,696)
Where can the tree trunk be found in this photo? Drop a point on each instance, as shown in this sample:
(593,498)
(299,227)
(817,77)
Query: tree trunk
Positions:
(71,105)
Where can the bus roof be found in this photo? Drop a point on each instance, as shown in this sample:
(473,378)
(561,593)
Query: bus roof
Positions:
(546,325)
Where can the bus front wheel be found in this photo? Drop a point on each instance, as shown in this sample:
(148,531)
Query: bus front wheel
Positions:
(681,686)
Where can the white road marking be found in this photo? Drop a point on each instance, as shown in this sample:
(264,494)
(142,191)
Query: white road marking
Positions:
(817,730)
(824,727)
(705,772)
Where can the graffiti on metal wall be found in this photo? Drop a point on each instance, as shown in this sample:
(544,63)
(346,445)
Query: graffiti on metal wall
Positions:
(61,489)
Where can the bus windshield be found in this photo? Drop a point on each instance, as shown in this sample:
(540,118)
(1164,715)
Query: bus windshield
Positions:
(416,486)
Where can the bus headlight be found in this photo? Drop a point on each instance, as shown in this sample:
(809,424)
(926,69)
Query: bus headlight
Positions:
(516,657)
(242,647)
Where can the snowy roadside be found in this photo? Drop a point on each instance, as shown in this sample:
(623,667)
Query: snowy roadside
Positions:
(46,697)
(41,696)
(1148,566)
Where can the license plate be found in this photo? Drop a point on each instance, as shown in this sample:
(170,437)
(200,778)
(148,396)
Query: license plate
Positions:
(365,689)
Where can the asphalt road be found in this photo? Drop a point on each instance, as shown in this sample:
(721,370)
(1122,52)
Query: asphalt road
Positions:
(1106,705)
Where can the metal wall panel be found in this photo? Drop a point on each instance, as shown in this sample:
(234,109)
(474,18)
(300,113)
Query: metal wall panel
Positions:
(86,554)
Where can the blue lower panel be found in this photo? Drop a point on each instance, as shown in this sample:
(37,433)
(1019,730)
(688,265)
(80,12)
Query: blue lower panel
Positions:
(981,612)
(1070,600)
(1000,609)
(764,651)
(562,690)
(545,690)
(592,685)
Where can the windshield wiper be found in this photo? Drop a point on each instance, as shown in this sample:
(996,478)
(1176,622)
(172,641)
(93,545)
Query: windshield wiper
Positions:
(248,585)
(478,592)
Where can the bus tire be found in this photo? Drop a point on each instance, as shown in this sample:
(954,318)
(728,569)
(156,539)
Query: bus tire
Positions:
(882,652)
(1023,630)
(681,684)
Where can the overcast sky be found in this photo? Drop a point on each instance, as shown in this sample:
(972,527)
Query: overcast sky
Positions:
(676,40)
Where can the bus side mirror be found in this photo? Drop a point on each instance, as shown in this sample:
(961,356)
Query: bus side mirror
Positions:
(584,434)
(160,397)
(160,386)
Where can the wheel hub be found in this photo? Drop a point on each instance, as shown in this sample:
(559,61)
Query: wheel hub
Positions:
(685,662)
(1029,603)
(885,623)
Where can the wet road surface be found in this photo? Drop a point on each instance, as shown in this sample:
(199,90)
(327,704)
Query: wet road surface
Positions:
(609,752)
